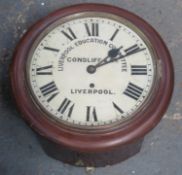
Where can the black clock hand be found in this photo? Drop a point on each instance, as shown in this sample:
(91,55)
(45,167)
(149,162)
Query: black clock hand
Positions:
(123,56)
(113,57)
(113,53)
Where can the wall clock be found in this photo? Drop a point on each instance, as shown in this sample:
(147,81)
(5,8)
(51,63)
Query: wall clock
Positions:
(92,80)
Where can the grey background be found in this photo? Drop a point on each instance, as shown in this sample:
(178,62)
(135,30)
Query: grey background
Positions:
(20,151)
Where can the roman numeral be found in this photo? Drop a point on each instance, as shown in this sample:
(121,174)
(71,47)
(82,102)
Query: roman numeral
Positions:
(51,49)
(69,34)
(93,30)
(133,49)
(91,114)
(49,90)
(114,34)
(133,91)
(52,96)
(138,70)
(117,108)
(46,70)
(66,106)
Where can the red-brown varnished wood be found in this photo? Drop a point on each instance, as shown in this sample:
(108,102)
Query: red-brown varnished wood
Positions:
(82,141)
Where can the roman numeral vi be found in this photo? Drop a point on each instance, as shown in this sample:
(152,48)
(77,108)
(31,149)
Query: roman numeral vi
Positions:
(91,113)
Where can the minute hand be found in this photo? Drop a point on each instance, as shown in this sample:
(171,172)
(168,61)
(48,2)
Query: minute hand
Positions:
(130,51)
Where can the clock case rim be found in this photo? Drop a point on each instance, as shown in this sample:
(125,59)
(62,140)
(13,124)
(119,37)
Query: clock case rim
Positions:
(83,141)
(91,128)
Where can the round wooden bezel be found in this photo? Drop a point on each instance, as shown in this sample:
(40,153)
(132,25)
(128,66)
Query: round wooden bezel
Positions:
(83,141)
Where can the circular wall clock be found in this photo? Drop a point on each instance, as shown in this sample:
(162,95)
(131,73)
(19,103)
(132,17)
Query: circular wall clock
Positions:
(92,79)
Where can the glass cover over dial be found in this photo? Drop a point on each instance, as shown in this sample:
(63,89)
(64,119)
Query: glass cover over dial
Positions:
(91,69)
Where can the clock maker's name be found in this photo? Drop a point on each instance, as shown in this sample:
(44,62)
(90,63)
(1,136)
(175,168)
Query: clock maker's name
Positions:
(65,57)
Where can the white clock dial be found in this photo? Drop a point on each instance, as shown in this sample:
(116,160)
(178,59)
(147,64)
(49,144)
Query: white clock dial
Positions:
(89,71)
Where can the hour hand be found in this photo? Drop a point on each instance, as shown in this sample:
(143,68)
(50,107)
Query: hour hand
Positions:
(122,54)
(112,54)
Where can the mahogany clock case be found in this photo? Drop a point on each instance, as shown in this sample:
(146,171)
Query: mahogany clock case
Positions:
(83,141)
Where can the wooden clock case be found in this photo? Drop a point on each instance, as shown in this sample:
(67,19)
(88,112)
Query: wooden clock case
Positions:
(79,147)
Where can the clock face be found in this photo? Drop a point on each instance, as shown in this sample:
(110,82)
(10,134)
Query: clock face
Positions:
(91,69)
